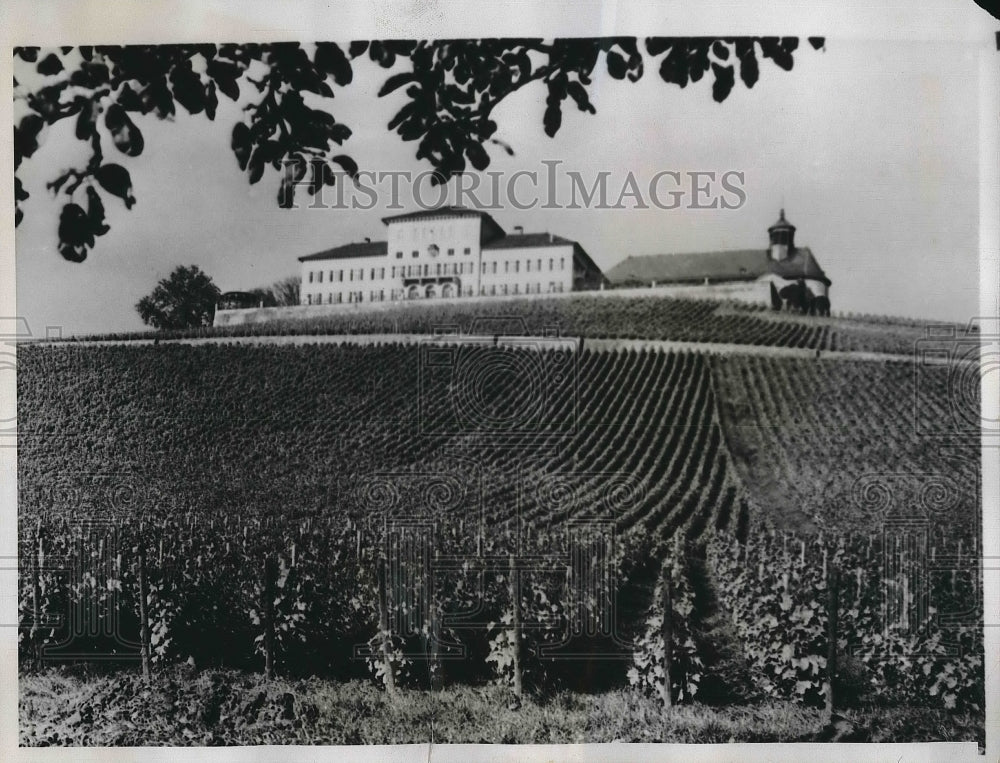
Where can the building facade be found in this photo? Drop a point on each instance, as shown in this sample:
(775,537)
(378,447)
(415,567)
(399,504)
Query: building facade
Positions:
(446,253)
(785,275)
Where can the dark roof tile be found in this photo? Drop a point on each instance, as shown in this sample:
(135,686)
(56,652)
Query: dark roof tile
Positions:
(347,251)
(728,265)
(745,264)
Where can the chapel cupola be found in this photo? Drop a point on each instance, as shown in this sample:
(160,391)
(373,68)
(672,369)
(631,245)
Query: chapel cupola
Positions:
(782,235)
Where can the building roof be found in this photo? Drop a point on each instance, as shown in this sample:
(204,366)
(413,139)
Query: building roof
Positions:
(446,211)
(782,222)
(736,264)
(346,251)
(801,264)
(727,265)
(526,241)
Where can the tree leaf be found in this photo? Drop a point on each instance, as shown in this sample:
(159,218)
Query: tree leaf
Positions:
(50,65)
(116,180)
(395,82)
(125,135)
(347,164)
(552,119)
(86,121)
(725,78)
(240,144)
(579,94)
(478,157)
(330,59)
(95,212)
(26,135)
(749,68)
(617,67)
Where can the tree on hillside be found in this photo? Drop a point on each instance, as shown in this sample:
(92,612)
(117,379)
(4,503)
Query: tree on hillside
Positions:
(185,299)
(286,291)
(451,89)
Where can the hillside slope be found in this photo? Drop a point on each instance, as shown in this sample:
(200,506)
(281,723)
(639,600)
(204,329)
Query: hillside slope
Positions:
(593,314)
(850,446)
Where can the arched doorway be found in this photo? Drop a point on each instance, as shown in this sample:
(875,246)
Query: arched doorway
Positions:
(413,292)
(448,291)
(431,291)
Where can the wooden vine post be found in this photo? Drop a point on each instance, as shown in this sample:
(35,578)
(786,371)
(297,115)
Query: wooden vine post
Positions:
(668,634)
(270,575)
(515,598)
(833,602)
(144,648)
(36,597)
(433,634)
(383,629)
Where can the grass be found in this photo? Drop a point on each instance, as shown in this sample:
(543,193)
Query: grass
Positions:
(63,707)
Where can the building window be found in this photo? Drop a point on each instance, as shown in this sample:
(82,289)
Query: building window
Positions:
(493,291)
(451,252)
(467,250)
(550,263)
(539,263)
(310,278)
(482,291)
(399,255)
(562,263)
(494,268)
(528,264)
(381,274)
(319,276)
(515,288)
(506,266)
(517,266)
(416,253)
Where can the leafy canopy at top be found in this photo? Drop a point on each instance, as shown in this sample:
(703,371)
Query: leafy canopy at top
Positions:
(451,89)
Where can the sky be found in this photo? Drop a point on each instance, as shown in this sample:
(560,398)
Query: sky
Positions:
(872,148)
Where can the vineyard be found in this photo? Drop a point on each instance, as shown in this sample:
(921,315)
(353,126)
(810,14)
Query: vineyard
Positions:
(520,517)
(846,446)
(654,318)
(632,457)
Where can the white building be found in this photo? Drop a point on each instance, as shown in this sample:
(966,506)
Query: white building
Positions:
(446,252)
